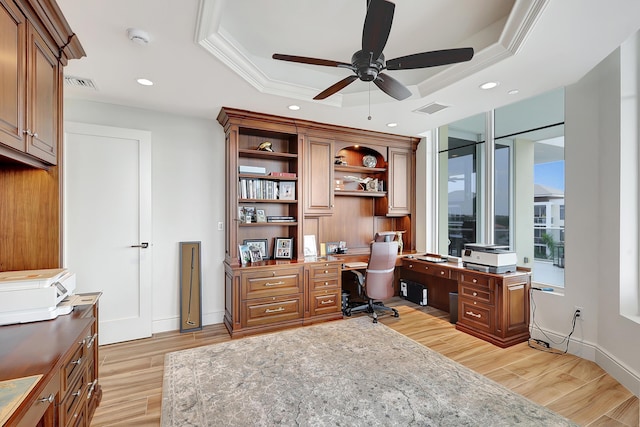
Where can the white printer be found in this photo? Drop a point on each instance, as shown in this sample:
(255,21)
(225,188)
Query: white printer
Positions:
(489,258)
(33,295)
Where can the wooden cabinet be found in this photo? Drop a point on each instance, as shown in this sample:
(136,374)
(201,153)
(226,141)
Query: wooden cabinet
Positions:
(401,176)
(263,151)
(493,307)
(65,352)
(36,42)
(318,174)
(31,79)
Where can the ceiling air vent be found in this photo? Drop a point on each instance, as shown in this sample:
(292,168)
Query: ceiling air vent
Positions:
(79,82)
(432,108)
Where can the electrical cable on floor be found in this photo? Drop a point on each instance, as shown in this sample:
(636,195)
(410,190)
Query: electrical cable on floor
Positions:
(544,346)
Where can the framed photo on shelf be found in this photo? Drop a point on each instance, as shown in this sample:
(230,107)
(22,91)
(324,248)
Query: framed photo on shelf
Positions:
(310,248)
(255,254)
(332,247)
(258,244)
(240,213)
(261,216)
(283,248)
(244,254)
(249,214)
(287,190)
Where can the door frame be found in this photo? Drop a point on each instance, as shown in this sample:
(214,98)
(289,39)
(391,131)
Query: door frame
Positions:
(144,221)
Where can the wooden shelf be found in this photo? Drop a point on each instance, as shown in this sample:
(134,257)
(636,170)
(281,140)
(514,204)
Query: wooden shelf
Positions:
(267,201)
(358,169)
(360,193)
(256,154)
(267,177)
(262,224)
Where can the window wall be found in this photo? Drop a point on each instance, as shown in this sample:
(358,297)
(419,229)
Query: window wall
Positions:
(524,166)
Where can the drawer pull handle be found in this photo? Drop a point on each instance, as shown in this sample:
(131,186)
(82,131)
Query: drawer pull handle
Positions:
(327,301)
(471,313)
(91,388)
(326,283)
(442,273)
(475,294)
(410,265)
(475,280)
(77,393)
(47,399)
(77,362)
(276,310)
(326,272)
(426,268)
(274,283)
(92,340)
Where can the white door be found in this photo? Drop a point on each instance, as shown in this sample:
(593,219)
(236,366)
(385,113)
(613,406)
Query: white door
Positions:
(107,221)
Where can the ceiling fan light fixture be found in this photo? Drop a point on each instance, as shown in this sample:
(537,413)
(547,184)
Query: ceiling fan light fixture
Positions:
(489,85)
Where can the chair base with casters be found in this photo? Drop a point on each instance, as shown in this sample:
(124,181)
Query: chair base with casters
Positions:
(371,305)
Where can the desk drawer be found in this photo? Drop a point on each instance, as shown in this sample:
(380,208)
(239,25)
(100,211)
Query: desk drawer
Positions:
(477,293)
(323,302)
(271,310)
(319,284)
(430,268)
(75,362)
(270,283)
(475,279)
(324,270)
(476,315)
(72,406)
(46,399)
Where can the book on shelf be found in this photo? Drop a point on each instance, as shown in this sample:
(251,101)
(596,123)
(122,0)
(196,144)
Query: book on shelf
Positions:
(277,218)
(283,174)
(257,189)
(259,170)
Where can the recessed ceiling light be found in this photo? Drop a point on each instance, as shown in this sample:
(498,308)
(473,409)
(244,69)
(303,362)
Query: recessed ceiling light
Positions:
(145,82)
(293,107)
(392,125)
(489,85)
(513,92)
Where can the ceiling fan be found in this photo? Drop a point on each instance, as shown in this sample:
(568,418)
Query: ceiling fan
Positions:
(368,63)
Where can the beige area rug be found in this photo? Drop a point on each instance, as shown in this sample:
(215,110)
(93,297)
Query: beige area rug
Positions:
(344,373)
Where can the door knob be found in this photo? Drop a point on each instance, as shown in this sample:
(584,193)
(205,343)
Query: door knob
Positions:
(143,245)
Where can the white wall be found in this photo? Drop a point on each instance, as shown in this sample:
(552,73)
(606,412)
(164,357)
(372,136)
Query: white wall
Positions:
(188,200)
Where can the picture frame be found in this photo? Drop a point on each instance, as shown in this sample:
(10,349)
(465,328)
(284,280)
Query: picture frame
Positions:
(310,248)
(261,216)
(283,248)
(254,254)
(287,190)
(241,213)
(261,245)
(244,254)
(332,247)
(249,214)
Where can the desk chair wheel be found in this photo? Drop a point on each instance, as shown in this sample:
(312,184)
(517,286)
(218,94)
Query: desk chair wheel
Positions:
(395,313)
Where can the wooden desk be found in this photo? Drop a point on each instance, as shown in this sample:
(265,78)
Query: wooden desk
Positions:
(493,307)
(64,352)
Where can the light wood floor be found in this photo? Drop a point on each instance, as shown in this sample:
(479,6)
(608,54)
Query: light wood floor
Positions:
(131,372)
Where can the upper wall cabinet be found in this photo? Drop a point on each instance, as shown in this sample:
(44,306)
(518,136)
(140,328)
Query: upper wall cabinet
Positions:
(35,43)
(401,176)
(318,176)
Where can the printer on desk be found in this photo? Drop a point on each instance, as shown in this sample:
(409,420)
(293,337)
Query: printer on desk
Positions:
(33,295)
(489,258)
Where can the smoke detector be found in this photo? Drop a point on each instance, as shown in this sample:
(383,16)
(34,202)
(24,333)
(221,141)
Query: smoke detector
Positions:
(138,36)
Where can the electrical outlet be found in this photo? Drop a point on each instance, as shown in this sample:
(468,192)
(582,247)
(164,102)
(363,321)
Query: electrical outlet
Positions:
(581,314)
(220,226)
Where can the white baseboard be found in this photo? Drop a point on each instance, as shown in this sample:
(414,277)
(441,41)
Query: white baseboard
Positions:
(600,356)
(173,323)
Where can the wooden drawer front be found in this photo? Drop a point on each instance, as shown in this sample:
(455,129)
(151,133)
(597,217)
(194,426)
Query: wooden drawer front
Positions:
(74,364)
(478,294)
(323,302)
(328,283)
(46,398)
(73,403)
(475,279)
(432,269)
(323,270)
(271,283)
(476,315)
(271,310)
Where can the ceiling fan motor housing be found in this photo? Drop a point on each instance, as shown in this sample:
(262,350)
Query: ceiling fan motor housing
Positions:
(366,69)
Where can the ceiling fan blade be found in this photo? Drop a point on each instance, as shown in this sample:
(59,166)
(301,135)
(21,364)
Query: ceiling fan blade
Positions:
(392,87)
(430,59)
(377,26)
(312,61)
(336,87)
